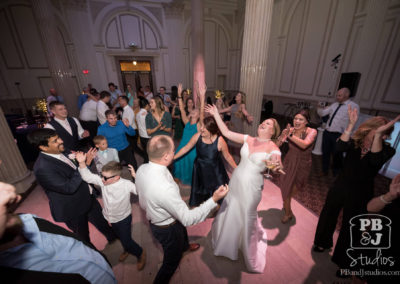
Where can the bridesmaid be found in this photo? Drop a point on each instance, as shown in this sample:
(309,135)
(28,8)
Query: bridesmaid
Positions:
(297,162)
(158,121)
(183,167)
(208,170)
(239,113)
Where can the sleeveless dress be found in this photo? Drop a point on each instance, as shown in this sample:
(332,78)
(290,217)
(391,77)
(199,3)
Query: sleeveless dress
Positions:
(178,125)
(297,165)
(208,172)
(237,119)
(237,225)
(183,167)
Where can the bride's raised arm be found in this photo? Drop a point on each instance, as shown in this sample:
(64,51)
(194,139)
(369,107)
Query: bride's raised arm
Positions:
(233,136)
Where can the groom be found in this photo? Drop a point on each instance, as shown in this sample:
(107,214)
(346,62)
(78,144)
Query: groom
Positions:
(167,212)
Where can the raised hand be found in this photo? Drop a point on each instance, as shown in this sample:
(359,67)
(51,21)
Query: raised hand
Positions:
(90,155)
(385,127)
(179,89)
(126,122)
(8,195)
(85,134)
(80,157)
(220,193)
(132,170)
(353,115)
(211,109)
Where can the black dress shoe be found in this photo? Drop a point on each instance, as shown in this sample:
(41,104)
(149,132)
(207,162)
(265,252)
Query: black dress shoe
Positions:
(318,249)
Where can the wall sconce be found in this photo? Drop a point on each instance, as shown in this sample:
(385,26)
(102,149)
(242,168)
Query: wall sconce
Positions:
(134,62)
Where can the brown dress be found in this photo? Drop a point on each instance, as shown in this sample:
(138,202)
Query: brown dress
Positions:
(297,166)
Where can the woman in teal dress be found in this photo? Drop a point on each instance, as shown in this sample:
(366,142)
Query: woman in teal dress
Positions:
(183,167)
(130,94)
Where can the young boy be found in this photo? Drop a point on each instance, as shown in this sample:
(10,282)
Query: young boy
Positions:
(117,207)
(104,154)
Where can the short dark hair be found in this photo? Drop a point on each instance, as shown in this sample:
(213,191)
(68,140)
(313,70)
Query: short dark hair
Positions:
(93,91)
(162,87)
(104,94)
(53,104)
(125,98)
(113,167)
(111,84)
(304,112)
(158,146)
(40,137)
(143,102)
(110,112)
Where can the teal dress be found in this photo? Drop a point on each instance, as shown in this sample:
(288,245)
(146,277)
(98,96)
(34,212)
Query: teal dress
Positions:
(183,167)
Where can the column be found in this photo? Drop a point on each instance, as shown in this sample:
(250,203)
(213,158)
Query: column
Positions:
(197,34)
(55,54)
(257,28)
(12,169)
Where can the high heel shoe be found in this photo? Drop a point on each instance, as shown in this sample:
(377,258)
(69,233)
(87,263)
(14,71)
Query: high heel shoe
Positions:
(286,218)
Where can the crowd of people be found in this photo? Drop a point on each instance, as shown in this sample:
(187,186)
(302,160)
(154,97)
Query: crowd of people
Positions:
(79,157)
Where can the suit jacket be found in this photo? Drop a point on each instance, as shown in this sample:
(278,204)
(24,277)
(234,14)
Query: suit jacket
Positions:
(68,194)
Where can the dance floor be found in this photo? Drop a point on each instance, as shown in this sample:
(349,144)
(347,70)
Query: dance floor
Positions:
(289,255)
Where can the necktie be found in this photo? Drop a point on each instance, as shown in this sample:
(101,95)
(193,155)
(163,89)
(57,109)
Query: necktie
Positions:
(67,161)
(333,116)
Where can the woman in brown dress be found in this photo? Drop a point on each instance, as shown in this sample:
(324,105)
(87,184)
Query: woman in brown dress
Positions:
(297,162)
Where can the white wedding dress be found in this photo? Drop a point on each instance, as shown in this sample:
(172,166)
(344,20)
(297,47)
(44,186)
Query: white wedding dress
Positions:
(237,225)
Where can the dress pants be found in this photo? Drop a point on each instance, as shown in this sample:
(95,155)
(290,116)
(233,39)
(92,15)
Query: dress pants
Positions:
(123,230)
(80,224)
(328,217)
(328,148)
(128,156)
(174,240)
(133,140)
(143,142)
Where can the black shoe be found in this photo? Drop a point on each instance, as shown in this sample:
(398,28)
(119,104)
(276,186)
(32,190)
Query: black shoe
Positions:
(318,248)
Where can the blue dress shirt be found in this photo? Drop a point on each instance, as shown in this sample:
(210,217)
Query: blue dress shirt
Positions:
(116,135)
(49,252)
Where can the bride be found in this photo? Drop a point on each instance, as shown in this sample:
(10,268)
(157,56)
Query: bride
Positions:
(236,225)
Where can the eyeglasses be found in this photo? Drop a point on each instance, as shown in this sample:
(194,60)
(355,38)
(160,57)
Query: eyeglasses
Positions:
(107,178)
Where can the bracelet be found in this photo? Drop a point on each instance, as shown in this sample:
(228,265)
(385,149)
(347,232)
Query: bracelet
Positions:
(179,97)
(383,200)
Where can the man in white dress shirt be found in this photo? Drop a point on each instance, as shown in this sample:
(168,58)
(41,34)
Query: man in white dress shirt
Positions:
(102,106)
(167,212)
(336,124)
(88,113)
(68,128)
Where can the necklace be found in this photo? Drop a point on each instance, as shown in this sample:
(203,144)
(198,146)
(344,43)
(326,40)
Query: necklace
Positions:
(263,140)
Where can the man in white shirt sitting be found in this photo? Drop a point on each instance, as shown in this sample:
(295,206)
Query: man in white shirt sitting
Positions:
(336,124)
(102,106)
(167,212)
(68,128)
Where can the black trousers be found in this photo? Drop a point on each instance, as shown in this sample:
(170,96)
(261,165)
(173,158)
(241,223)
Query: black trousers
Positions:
(143,142)
(128,156)
(328,149)
(174,240)
(90,126)
(123,229)
(80,224)
(133,140)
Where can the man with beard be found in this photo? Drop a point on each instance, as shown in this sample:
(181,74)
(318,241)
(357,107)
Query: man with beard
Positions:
(69,196)
(33,250)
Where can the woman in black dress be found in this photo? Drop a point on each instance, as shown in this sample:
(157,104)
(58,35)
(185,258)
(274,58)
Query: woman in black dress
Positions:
(366,152)
(208,171)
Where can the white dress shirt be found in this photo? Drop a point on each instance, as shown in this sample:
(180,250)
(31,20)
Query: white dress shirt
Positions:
(141,121)
(148,95)
(341,118)
(130,115)
(88,111)
(159,196)
(64,123)
(101,109)
(116,196)
(103,157)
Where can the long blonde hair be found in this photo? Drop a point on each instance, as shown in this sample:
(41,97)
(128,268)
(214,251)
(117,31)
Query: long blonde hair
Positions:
(366,127)
(277,130)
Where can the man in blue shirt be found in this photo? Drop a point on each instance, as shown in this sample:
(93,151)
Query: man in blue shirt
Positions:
(33,250)
(115,131)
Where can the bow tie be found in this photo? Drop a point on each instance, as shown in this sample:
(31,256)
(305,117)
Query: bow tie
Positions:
(103,152)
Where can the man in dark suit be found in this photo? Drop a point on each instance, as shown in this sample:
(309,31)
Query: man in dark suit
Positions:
(69,196)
